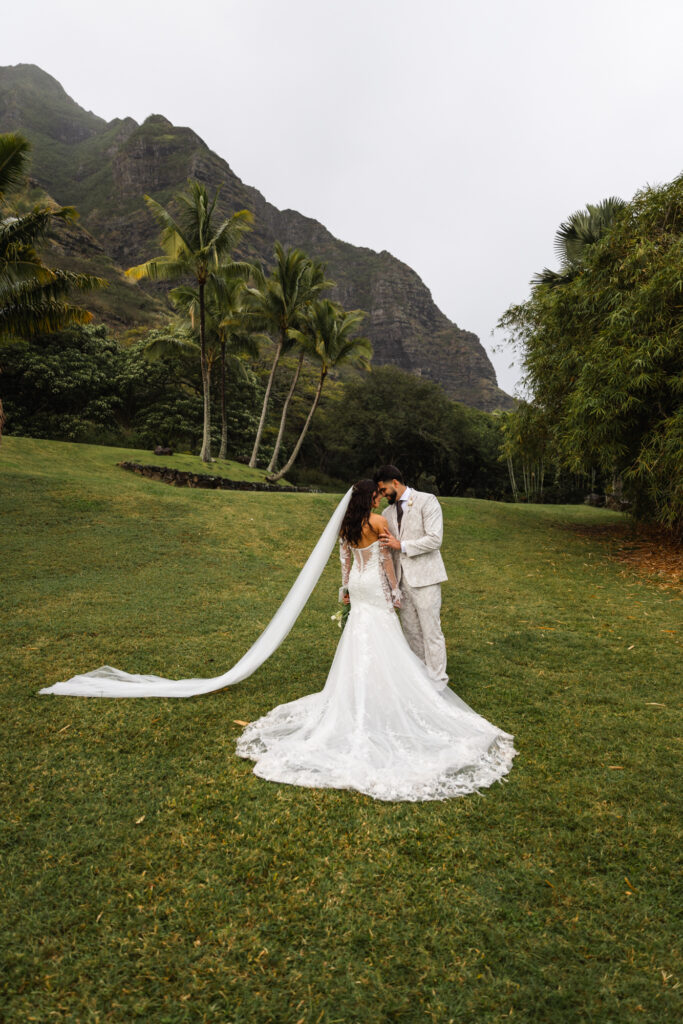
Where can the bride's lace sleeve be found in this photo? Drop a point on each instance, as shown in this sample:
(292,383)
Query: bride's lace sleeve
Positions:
(346,559)
(391,589)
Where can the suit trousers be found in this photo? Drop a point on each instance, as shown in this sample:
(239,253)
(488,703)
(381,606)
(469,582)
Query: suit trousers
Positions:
(421,622)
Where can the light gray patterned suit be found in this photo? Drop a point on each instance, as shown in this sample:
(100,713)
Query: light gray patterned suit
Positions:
(420,572)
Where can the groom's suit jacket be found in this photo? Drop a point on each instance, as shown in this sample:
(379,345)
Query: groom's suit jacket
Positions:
(421,532)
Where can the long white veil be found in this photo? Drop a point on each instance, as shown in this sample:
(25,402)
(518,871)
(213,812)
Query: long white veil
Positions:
(112,682)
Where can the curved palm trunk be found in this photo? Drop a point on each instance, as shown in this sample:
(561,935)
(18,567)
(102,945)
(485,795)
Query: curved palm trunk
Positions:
(285,409)
(266,400)
(205,454)
(224,420)
(206,383)
(290,462)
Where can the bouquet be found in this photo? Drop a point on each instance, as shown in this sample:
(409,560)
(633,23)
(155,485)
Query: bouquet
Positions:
(342,615)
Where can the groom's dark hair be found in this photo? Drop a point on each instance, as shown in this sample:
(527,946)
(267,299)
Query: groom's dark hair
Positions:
(388,473)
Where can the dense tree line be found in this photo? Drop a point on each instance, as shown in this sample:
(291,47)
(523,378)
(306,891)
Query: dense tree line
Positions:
(84,385)
(602,347)
(394,417)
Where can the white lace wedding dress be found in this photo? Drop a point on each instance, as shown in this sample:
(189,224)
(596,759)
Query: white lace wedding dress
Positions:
(381,725)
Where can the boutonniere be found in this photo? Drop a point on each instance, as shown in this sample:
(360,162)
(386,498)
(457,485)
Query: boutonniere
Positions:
(410,501)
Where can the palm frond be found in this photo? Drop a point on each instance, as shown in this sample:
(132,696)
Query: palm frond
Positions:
(299,337)
(551,277)
(26,319)
(14,150)
(230,231)
(584,228)
(236,271)
(29,269)
(184,296)
(171,344)
(236,367)
(354,351)
(159,268)
(172,240)
(30,229)
(59,285)
(575,235)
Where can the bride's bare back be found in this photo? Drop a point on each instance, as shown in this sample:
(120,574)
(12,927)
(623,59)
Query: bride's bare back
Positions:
(375,526)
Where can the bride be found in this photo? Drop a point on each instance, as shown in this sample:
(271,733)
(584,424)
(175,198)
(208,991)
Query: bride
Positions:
(381,725)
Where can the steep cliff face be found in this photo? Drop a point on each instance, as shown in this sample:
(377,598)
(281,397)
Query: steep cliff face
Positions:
(105,168)
(122,304)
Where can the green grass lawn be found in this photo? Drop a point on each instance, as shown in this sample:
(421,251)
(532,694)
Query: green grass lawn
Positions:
(148,875)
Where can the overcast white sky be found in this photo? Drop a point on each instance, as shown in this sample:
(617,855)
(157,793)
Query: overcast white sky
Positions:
(457,135)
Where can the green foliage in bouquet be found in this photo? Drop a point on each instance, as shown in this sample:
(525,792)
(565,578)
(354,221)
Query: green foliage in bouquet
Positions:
(342,615)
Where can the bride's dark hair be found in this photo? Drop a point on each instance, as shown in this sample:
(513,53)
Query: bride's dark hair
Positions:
(358,511)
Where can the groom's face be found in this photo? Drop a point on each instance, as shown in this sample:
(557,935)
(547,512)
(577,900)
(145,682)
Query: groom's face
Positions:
(387,489)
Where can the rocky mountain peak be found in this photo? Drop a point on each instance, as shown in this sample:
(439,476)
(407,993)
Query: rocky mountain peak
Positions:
(104,169)
(157,120)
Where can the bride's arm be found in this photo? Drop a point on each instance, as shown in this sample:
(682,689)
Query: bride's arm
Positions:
(346,558)
(388,566)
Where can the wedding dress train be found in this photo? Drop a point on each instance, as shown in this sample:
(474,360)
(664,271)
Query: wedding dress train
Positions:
(381,725)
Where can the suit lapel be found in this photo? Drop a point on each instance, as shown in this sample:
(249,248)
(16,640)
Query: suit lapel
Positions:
(406,513)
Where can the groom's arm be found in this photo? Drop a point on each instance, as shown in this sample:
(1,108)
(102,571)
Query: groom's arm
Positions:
(432,521)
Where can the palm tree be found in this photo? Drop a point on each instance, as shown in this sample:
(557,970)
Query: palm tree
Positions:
(226,336)
(302,343)
(329,329)
(583,229)
(236,341)
(277,308)
(34,298)
(195,247)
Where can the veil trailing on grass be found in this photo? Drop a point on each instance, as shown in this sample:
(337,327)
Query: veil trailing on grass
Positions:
(112,682)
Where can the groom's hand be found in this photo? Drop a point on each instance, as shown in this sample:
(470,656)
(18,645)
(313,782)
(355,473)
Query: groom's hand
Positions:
(388,540)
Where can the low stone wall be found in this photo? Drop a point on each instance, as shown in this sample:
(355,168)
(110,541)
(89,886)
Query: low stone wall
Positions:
(184,478)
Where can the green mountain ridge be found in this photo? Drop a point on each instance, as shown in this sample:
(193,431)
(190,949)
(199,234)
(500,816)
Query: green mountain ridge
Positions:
(104,168)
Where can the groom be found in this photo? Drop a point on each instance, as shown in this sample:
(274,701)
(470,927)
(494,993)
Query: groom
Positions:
(415,534)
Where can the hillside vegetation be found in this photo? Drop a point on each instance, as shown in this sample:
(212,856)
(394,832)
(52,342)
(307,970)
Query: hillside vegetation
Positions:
(104,169)
(149,875)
